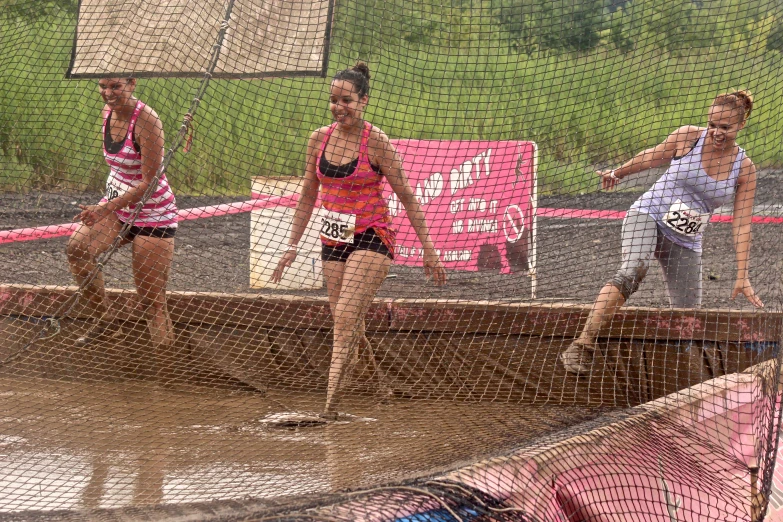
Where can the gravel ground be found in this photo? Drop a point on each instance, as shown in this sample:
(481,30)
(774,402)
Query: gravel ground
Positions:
(575,257)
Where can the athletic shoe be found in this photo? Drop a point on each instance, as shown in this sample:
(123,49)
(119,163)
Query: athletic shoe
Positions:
(101,331)
(329,415)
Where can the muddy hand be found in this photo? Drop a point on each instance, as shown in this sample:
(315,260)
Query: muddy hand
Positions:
(91,214)
(434,269)
(285,261)
(742,286)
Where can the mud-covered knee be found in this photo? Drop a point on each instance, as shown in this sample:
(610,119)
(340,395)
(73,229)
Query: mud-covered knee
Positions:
(628,281)
(77,251)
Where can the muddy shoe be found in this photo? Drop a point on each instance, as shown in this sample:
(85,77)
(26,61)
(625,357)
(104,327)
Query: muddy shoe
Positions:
(100,332)
(578,358)
(329,415)
(384,393)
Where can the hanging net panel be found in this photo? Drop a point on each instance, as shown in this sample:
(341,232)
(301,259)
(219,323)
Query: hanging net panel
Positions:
(414,261)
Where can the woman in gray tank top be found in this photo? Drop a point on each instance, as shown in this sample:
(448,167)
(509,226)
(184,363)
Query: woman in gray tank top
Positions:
(707,169)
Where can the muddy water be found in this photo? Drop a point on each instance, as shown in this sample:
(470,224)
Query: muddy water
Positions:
(75,446)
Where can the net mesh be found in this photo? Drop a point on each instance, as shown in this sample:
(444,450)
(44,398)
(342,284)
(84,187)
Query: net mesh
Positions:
(243,323)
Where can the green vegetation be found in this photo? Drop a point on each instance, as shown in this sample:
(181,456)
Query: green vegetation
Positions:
(590,85)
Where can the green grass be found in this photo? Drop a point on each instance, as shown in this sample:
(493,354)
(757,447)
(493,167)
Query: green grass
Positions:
(583,111)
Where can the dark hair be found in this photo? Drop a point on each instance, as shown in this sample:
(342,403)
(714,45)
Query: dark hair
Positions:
(742,100)
(359,76)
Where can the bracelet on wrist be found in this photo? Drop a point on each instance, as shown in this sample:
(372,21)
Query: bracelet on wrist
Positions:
(613,176)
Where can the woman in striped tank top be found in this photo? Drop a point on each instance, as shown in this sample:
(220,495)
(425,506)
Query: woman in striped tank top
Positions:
(133,148)
(348,161)
(707,169)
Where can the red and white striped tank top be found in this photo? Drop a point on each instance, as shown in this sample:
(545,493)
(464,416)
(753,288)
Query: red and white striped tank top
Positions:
(160,210)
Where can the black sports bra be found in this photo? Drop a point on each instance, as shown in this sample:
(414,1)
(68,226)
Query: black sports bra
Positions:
(114,147)
(341,171)
(689,150)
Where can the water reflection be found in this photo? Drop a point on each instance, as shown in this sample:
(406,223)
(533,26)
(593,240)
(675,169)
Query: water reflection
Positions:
(109,447)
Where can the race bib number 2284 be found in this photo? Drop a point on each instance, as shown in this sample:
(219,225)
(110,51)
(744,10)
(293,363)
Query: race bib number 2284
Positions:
(684,220)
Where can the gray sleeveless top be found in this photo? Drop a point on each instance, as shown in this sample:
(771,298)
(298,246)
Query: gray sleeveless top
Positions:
(684,198)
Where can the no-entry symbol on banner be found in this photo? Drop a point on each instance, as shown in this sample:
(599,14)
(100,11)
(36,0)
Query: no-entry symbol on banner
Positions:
(513,223)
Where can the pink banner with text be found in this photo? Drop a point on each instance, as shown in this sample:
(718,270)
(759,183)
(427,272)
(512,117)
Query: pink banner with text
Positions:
(477,197)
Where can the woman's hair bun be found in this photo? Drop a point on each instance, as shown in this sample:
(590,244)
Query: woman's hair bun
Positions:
(362,69)
(359,76)
(742,100)
(747,100)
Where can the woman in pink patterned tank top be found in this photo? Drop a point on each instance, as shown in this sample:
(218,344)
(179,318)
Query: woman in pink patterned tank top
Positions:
(348,161)
(133,148)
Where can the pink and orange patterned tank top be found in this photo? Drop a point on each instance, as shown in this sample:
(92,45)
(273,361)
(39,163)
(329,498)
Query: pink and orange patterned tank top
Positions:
(160,210)
(354,203)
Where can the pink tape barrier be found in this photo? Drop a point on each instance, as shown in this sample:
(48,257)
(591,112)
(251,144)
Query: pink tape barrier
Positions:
(570,213)
(260,201)
(187,214)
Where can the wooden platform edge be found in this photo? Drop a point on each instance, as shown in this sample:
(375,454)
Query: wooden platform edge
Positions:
(268,310)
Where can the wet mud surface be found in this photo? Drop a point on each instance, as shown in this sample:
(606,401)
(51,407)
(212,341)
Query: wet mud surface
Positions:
(110,445)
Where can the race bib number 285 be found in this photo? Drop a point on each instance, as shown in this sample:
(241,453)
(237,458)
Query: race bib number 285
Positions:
(338,227)
(684,220)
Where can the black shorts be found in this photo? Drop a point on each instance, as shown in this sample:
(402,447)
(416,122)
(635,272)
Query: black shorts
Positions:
(367,240)
(161,232)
